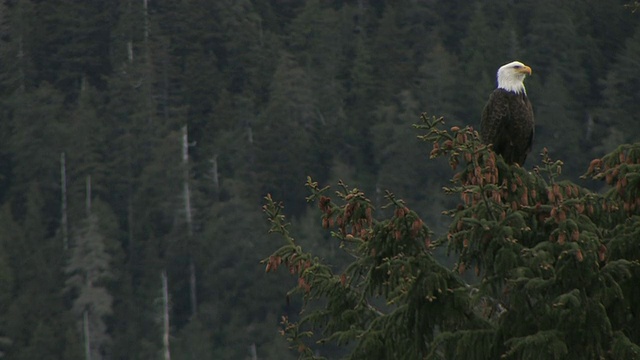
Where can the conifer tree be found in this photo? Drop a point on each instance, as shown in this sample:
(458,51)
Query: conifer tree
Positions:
(361,93)
(438,84)
(34,256)
(555,118)
(319,35)
(88,270)
(555,264)
(291,120)
(390,64)
(479,50)
(620,86)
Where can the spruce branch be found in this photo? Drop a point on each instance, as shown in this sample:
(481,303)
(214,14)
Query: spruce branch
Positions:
(549,255)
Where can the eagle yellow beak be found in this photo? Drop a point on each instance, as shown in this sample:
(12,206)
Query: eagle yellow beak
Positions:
(525,70)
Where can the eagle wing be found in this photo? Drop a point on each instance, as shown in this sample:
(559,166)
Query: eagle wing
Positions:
(495,116)
(507,123)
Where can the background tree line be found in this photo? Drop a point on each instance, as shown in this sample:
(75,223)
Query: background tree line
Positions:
(101,101)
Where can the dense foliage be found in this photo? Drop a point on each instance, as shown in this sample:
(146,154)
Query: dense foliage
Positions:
(102,190)
(556,265)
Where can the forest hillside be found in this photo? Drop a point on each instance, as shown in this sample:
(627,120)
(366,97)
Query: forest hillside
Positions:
(138,139)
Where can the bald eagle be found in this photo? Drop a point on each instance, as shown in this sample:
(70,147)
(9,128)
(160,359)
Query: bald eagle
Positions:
(507,119)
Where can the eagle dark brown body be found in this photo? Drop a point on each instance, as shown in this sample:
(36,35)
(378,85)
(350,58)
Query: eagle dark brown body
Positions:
(507,123)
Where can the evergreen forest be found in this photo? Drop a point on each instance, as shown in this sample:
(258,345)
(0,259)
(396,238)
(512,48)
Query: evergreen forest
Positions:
(139,140)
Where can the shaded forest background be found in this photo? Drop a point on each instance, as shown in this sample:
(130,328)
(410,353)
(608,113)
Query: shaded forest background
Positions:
(98,100)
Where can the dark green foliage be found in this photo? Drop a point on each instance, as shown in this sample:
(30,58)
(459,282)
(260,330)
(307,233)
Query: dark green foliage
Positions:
(620,104)
(271,92)
(554,273)
(393,262)
(89,272)
(292,120)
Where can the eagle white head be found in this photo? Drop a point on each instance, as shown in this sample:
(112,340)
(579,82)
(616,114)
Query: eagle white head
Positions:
(511,77)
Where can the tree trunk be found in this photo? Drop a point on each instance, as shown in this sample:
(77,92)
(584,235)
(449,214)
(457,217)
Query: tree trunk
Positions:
(214,175)
(87,201)
(21,71)
(249,134)
(85,331)
(165,317)
(192,286)
(148,66)
(187,194)
(64,224)
(145,6)
(189,220)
